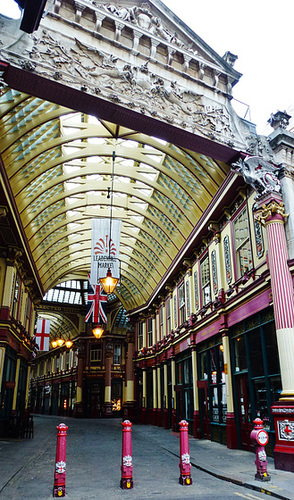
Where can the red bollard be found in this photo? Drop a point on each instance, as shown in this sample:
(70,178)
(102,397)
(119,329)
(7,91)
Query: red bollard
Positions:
(260,438)
(126,481)
(60,466)
(185,464)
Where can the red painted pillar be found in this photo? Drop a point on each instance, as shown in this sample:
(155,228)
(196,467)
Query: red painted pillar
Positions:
(185,464)
(127,460)
(271,214)
(60,465)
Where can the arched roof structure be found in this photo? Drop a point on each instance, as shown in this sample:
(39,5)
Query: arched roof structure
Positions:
(58,164)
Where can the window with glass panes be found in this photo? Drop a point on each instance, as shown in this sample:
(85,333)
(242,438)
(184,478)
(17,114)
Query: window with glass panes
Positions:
(149,332)
(168,315)
(255,356)
(140,335)
(242,243)
(96,355)
(117,354)
(161,319)
(181,303)
(211,368)
(205,281)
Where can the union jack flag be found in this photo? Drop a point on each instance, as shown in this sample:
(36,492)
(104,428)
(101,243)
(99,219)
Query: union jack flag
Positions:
(97,305)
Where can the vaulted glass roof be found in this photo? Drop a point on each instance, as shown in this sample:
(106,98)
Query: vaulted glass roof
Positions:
(59,163)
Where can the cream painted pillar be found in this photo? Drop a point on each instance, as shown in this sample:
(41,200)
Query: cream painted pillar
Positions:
(173,393)
(196,416)
(28,386)
(231,428)
(158,388)
(144,389)
(173,378)
(16,385)
(154,387)
(228,375)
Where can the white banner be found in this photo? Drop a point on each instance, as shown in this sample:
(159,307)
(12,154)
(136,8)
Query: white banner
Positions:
(105,253)
(43,334)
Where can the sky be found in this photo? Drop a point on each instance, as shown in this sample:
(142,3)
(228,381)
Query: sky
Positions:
(259,32)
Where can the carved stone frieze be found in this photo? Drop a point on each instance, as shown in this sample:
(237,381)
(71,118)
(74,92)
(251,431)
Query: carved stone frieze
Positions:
(101,66)
(93,70)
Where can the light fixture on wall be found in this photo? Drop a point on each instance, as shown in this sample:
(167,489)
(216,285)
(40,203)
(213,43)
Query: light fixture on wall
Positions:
(98,331)
(108,282)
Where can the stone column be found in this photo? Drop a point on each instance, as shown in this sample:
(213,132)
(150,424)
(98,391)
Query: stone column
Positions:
(130,377)
(107,392)
(271,213)
(196,416)
(230,421)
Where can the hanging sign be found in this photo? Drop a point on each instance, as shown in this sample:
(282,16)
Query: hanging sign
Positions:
(105,248)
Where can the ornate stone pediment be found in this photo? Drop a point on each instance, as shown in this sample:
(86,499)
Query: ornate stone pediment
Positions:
(138,55)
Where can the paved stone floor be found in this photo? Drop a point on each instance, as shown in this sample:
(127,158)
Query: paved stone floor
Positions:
(94,460)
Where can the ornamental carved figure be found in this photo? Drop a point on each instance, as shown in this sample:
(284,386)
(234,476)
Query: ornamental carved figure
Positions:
(260,174)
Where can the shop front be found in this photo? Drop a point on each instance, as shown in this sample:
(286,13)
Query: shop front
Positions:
(212,390)
(256,375)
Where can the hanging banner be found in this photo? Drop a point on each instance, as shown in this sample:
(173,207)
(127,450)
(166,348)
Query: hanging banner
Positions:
(105,249)
(43,333)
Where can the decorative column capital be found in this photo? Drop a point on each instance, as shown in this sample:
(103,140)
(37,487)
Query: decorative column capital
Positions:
(271,212)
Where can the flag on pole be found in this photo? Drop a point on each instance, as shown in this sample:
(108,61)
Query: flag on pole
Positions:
(97,305)
(43,333)
(105,249)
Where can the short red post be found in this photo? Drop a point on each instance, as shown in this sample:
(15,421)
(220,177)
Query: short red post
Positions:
(126,482)
(60,465)
(259,437)
(185,464)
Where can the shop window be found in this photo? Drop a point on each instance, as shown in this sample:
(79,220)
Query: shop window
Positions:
(96,356)
(240,353)
(203,366)
(140,335)
(273,363)
(256,357)
(242,242)
(117,354)
(181,304)
(205,281)
(149,332)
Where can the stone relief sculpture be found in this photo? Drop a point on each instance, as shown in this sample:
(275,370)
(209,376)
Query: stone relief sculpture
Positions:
(107,75)
(260,174)
(143,17)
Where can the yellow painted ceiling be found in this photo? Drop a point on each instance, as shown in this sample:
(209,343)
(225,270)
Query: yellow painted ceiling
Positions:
(59,165)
